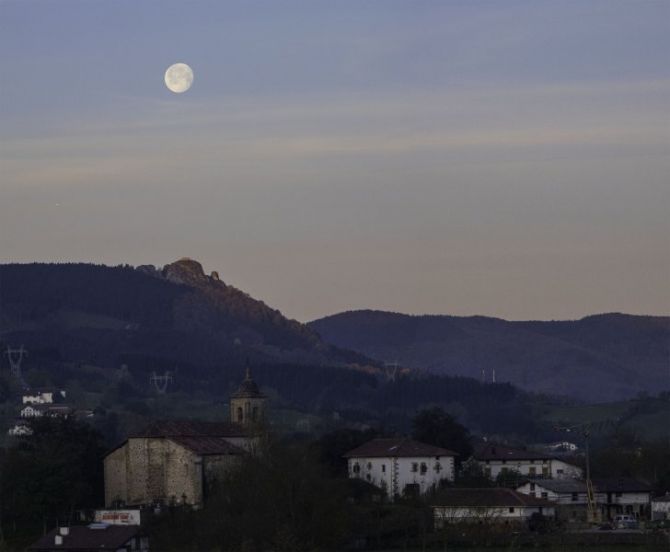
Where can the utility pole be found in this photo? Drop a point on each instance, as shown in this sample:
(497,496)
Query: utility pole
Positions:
(586,429)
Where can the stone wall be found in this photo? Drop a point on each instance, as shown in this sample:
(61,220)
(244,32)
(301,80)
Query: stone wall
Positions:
(144,470)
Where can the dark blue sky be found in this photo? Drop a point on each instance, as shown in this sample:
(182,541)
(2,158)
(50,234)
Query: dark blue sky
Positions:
(505,158)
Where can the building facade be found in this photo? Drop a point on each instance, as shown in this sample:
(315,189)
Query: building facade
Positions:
(400,466)
(612,497)
(180,461)
(482,505)
(497,459)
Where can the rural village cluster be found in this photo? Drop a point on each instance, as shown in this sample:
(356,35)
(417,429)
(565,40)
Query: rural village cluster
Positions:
(174,462)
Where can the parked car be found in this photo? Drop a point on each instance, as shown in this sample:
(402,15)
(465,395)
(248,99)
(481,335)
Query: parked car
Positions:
(624,521)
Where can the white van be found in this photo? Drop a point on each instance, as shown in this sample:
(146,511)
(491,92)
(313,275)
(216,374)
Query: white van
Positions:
(625,521)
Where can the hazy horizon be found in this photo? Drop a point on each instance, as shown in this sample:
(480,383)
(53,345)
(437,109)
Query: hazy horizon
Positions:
(463,158)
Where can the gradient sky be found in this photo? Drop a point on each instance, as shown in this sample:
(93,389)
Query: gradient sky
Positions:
(503,158)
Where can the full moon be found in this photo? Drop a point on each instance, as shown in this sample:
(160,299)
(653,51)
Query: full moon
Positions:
(178,78)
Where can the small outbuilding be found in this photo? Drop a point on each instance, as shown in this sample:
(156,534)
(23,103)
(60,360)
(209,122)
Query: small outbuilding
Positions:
(487,505)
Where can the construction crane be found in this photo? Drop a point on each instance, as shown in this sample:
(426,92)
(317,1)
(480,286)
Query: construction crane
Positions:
(586,429)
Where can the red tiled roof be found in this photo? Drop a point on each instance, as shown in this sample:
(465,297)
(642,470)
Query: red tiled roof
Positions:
(205,445)
(181,428)
(486,498)
(499,452)
(84,539)
(397,448)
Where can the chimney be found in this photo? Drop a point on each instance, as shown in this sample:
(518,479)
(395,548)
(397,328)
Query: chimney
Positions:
(58,540)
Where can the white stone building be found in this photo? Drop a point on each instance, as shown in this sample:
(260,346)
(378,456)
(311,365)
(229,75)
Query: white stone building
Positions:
(660,507)
(21,428)
(401,465)
(42,396)
(496,459)
(612,497)
(622,495)
(569,496)
(494,505)
(50,410)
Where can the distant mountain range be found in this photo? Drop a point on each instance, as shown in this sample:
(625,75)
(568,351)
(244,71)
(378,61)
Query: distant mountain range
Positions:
(176,313)
(598,358)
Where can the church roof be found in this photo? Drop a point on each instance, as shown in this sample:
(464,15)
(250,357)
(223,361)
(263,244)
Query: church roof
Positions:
(205,445)
(397,448)
(192,434)
(191,428)
(248,388)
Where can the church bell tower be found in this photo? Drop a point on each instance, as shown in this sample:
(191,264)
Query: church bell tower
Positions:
(247,404)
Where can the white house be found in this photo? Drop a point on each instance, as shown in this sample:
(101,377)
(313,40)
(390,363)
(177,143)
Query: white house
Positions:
(401,465)
(42,396)
(494,505)
(20,428)
(622,495)
(569,496)
(51,410)
(660,507)
(612,496)
(496,459)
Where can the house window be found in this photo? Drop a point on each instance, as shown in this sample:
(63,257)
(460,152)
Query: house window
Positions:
(424,468)
(384,468)
(545,471)
(504,461)
(575,497)
(532,471)
(618,495)
(559,472)
(356,468)
(240,414)
(545,495)
(438,467)
(511,510)
(369,465)
(532,486)
(368,477)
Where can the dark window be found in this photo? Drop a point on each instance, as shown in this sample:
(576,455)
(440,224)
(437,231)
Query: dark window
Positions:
(532,486)
(575,497)
(356,468)
(511,510)
(384,467)
(504,461)
(240,414)
(369,465)
(368,477)
(618,495)
(544,495)
(424,468)
(415,467)
(438,467)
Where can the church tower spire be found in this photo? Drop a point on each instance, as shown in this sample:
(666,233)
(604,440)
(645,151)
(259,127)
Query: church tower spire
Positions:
(247,404)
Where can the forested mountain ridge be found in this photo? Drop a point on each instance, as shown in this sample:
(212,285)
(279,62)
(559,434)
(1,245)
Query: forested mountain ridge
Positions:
(102,332)
(598,358)
(177,311)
